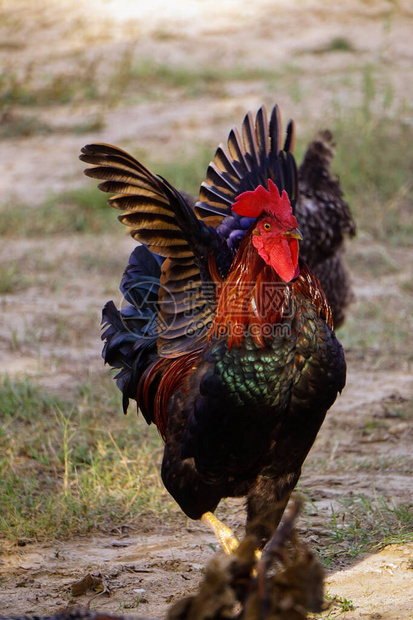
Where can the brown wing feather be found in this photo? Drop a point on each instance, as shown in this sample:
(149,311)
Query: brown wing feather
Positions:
(156,224)
(156,214)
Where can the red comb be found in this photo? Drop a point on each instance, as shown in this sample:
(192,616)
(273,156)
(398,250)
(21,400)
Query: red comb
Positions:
(253,203)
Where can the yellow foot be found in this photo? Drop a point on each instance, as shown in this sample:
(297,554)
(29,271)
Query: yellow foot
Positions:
(225,536)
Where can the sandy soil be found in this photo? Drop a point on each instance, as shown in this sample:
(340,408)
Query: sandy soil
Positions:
(156,565)
(159,569)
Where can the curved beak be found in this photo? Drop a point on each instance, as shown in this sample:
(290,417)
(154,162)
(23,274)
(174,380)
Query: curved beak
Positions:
(293,234)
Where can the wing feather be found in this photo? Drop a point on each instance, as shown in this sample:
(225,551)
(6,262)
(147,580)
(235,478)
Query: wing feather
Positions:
(160,218)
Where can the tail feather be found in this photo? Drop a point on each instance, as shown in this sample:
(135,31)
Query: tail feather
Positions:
(250,141)
(239,153)
(275,130)
(243,166)
(261,130)
(125,348)
(142,265)
(289,138)
(130,334)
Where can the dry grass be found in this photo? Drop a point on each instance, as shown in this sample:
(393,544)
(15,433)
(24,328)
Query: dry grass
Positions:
(74,466)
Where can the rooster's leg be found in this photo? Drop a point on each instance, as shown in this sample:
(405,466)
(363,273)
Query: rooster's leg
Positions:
(266,503)
(225,536)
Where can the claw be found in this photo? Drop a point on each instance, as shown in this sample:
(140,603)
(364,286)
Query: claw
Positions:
(225,536)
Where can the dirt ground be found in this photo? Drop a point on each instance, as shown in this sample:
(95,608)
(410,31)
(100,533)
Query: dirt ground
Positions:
(142,572)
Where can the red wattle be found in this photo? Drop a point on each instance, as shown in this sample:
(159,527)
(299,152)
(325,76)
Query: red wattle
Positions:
(281,254)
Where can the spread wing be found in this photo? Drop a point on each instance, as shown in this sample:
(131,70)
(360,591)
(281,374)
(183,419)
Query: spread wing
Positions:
(160,218)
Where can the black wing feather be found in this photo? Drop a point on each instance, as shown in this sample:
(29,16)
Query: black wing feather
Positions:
(248,163)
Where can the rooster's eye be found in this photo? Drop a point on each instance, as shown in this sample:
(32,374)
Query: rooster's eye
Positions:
(267,226)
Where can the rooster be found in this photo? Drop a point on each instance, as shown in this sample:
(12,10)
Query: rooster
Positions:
(226,339)
(324,219)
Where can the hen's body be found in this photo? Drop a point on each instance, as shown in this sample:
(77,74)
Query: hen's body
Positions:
(235,366)
(325,221)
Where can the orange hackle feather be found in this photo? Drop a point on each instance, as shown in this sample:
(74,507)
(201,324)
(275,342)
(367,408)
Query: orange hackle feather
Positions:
(242,304)
(307,284)
(254,297)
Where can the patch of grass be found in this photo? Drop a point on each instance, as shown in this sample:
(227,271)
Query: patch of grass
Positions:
(407,285)
(377,179)
(12,279)
(150,79)
(22,126)
(82,210)
(342,603)
(17,125)
(142,78)
(74,466)
(363,524)
(341,44)
(374,160)
(94,123)
(22,401)
(186,173)
(30,89)
(378,329)
(371,260)
(85,210)
(337,44)
(133,604)
(366,463)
